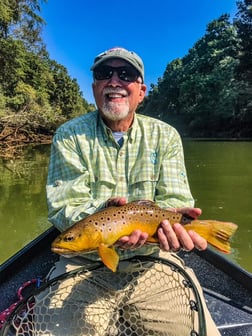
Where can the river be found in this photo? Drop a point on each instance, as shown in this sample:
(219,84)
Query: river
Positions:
(220,175)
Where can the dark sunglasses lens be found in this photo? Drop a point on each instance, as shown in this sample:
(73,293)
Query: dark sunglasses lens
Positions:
(127,74)
(102,73)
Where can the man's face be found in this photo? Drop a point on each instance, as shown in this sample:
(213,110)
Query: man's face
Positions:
(116,98)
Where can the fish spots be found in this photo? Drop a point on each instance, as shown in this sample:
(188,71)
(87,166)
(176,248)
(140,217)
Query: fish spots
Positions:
(96,226)
(102,226)
(175,218)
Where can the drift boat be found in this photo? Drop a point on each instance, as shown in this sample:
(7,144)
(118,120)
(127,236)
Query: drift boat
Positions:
(227,287)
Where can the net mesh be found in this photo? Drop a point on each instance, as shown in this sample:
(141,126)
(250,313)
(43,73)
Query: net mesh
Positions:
(144,297)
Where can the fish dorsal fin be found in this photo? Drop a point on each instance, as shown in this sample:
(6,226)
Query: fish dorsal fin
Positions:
(147,203)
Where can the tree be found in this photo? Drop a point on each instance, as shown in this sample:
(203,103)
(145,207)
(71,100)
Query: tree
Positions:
(243,71)
(20,20)
(197,94)
(36,93)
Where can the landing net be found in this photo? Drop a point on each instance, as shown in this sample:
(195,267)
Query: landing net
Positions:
(156,297)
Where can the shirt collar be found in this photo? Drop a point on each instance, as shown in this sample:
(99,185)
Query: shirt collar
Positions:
(107,133)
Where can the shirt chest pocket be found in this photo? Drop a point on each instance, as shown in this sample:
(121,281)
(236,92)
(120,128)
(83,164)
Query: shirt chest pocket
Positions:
(142,184)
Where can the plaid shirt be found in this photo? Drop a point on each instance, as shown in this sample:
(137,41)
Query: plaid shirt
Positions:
(87,166)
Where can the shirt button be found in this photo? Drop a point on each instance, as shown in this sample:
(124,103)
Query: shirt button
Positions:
(121,179)
(57,183)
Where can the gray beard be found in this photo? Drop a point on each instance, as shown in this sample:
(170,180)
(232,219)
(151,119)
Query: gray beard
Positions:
(115,111)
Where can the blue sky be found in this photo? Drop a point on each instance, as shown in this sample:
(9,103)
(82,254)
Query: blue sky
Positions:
(159,31)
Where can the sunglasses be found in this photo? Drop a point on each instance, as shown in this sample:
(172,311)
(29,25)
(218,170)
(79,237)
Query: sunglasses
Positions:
(125,73)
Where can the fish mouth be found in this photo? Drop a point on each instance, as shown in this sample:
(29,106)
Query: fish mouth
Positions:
(69,253)
(60,250)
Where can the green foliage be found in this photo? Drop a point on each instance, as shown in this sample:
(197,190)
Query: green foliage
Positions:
(2,104)
(207,93)
(243,72)
(34,90)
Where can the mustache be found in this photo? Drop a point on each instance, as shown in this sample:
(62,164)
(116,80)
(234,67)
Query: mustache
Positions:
(110,90)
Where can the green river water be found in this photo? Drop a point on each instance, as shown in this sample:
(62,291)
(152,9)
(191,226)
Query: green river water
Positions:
(220,175)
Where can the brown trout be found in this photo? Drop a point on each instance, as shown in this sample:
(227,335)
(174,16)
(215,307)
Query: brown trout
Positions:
(101,230)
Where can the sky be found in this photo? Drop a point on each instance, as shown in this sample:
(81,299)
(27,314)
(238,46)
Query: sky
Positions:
(158,31)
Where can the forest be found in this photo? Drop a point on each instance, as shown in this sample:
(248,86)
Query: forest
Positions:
(37,93)
(208,92)
(205,94)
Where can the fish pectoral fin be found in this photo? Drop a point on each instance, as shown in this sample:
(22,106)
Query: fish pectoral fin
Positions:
(109,256)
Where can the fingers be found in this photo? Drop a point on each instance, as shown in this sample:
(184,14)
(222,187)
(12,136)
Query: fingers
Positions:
(115,201)
(135,240)
(176,237)
(167,237)
(192,212)
(199,242)
(171,238)
(184,238)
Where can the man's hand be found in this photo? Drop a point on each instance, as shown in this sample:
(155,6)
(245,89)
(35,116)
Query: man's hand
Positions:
(171,238)
(116,201)
(176,237)
(137,238)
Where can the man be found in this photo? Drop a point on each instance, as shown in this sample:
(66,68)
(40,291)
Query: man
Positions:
(113,156)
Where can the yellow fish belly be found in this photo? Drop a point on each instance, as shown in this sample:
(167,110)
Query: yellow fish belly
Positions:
(102,230)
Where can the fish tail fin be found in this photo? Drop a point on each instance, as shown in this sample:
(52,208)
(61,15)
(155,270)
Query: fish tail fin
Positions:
(109,257)
(216,233)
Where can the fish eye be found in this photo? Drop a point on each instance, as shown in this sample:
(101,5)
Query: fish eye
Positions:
(68,238)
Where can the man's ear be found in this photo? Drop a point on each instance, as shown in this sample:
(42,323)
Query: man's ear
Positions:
(142,92)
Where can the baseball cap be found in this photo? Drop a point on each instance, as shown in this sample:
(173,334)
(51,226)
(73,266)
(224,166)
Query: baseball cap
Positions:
(117,52)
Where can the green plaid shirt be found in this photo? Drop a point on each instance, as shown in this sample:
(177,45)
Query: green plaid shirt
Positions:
(87,166)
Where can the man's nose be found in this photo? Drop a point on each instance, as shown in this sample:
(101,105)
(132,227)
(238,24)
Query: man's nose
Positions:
(114,80)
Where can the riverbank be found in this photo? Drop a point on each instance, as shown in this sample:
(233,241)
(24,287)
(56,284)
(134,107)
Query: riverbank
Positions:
(14,138)
(21,130)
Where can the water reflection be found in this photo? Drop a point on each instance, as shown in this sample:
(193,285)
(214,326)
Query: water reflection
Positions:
(23,211)
(219,174)
(220,178)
